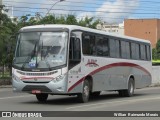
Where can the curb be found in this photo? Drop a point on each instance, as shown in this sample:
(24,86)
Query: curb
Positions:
(6,86)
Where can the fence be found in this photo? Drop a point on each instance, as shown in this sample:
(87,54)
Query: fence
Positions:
(5,79)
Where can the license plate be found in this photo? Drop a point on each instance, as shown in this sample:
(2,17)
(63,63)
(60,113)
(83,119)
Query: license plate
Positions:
(36,91)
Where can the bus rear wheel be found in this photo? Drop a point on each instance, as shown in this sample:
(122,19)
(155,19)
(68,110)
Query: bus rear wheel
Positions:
(84,96)
(42,97)
(128,92)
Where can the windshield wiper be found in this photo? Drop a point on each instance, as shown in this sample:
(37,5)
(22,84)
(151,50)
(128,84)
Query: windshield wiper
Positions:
(31,56)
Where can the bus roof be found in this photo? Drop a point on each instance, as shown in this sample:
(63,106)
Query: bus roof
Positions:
(75,27)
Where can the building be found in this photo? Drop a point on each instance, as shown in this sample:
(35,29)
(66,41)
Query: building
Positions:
(6,10)
(112,28)
(0,2)
(148,29)
(0,6)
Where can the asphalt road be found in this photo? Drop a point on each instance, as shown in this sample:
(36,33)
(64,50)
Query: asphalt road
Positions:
(146,99)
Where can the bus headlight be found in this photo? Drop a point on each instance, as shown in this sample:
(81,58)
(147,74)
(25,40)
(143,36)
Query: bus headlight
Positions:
(59,78)
(14,77)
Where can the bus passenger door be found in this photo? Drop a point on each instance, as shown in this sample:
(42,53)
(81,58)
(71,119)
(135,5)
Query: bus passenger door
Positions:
(74,52)
(74,65)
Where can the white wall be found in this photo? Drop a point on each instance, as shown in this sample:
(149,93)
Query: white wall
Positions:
(155,75)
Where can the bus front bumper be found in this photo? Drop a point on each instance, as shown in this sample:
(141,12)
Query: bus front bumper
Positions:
(50,88)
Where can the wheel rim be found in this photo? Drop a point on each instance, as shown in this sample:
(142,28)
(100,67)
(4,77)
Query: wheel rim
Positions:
(131,88)
(86,91)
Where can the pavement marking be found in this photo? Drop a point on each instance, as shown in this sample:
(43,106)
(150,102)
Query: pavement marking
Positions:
(111,105)
(3,98)
(121,101)
(147,88)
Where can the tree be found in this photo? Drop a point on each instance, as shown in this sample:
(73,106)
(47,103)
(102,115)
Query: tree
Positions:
(154,54)
(71,20)
(60,20)
(88,22)
(53,19)
(7,29)
(50,19)
(158,49)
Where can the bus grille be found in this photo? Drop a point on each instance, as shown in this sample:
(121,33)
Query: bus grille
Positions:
(34,82)
(37,74)
(29,88)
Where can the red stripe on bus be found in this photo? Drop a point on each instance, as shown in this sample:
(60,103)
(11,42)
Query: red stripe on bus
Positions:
(123,64)
(78,82)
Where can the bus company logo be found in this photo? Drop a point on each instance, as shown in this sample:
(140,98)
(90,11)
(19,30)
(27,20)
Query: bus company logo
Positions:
(92,63)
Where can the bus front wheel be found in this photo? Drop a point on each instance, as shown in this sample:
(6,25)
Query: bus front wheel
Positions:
(42,97)
(84,96)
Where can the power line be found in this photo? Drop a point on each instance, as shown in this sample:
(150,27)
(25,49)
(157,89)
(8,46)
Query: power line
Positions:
(91,7)
(80,10)
(76,10)
(95,4)
(71,6)
(101,11)
(123,16)
(82,16)
(79,17)
(103,1)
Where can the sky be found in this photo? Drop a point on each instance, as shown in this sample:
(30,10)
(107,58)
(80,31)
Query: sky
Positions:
(111,11)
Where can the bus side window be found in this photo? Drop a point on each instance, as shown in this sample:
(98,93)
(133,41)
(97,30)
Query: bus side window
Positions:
(102,46)
(74,52)
(148,52)
(143,52)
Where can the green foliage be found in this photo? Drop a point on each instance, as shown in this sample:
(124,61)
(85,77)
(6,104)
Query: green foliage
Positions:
(7,29)
(158,49)
(52,19)
(154,54)
(71,20)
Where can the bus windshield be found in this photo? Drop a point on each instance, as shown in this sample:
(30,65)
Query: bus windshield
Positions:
(41,50)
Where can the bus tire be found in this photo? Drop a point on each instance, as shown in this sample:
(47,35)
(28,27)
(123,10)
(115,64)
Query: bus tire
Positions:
(84,96)
(42,97)
(130,91)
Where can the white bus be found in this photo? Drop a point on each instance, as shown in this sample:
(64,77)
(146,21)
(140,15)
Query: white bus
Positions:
(74,60)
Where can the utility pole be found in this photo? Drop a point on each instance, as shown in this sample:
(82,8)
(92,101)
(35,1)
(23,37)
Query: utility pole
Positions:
(0,2)
(54,5)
